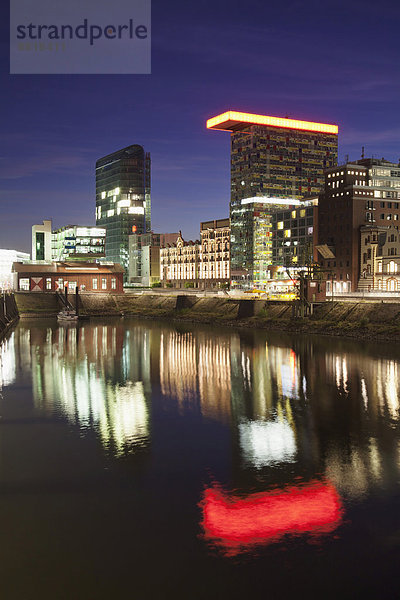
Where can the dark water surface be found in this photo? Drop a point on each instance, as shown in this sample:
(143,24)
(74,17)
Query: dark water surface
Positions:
(145,460)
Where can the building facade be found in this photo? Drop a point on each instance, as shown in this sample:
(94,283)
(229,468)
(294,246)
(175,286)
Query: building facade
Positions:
(41,241)
(179,262)
(7,258)
(294,235)
(78,243)
(379,258)
(144,256)
(215,251)
(359,193)
(123,204)
(200,264)
(53,277)
(274,158)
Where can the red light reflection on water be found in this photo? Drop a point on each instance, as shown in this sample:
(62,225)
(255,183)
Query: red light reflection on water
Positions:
(236,523)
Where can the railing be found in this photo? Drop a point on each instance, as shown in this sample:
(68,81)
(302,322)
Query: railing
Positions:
(365,294)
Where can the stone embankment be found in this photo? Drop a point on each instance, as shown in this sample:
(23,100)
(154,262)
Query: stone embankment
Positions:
(360,320)
(8,312)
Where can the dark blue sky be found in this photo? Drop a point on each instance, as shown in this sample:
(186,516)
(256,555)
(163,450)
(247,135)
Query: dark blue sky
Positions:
(335,62)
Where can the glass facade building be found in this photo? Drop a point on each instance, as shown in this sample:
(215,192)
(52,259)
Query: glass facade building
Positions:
(123,204)
(294,235)
(72,241)
(254,235)
(276,159)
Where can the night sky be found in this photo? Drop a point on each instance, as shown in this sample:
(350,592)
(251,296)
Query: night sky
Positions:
(315,60)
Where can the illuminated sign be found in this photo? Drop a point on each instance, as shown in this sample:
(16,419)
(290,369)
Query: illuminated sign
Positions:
(232,121)
(236,523)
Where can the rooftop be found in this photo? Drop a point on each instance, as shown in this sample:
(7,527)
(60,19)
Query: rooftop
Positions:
(238,121)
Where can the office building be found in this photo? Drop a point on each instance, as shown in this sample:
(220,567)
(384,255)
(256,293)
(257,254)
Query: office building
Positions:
(253,238)
(78,243)
(41,241)
(144,256)
(123,204)
(273,158)
(7,258)
(359,193)
(294,235)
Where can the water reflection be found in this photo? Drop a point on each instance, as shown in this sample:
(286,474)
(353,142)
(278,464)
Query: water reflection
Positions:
(240,523)
(88,375)
(292,407)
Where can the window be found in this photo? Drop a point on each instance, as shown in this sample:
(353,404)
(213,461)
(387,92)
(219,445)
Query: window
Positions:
(94,284)
(24,284)
(113,283)
(48,283)
(103,283)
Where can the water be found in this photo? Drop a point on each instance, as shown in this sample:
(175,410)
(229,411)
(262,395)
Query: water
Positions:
(148,460)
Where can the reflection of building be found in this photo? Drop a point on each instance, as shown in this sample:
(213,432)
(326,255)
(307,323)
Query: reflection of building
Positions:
(90,277)
(84,372)
(275,158)
(7,258)
(73,242)
(123,199)
(41,241)
(196,369)
(359,193)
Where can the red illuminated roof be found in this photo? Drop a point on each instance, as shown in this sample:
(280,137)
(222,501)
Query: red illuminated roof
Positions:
(238,523)
(237,121)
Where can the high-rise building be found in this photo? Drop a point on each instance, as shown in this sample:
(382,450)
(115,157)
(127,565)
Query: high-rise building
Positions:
(123,203)
(41,241)
(275,158)
(362,192)
(78,243)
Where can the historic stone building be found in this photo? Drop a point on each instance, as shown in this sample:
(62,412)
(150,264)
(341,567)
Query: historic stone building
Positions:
(379,258)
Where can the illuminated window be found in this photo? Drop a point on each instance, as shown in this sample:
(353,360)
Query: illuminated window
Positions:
(24,284)
(287,233)
(280,225)
(293,214)
(303,212)
(48,283)
(103,195)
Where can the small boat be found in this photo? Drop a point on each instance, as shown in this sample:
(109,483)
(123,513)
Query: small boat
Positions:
(67,316)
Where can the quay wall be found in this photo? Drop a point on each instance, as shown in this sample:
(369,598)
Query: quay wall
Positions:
(8,313)
(359,319)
